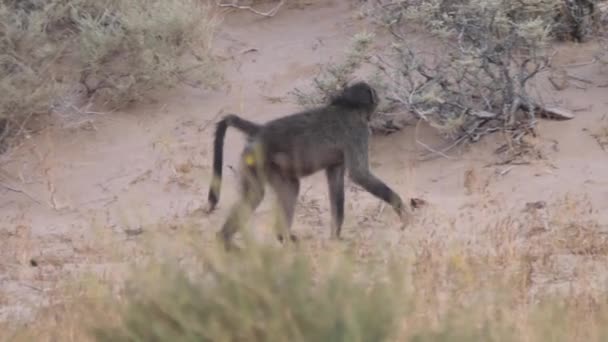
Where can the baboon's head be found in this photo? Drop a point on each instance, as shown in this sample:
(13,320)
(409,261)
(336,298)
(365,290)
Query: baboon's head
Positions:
(359,95)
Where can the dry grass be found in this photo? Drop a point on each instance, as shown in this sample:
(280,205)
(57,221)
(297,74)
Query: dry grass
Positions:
(530,275)
(600,134)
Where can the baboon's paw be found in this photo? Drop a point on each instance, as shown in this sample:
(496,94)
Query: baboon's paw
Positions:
(292,238)
(208,208)
(417,203)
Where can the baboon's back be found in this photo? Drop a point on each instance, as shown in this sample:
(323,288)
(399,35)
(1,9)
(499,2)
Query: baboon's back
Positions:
(312,140)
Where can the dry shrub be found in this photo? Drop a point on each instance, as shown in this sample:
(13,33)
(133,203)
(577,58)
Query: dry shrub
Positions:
(476,82)
(575,19)
(569,19)
(117,50)
(334,76)
(131,47)
(27,55)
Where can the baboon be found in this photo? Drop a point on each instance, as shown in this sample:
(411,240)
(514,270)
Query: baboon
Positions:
(333,137)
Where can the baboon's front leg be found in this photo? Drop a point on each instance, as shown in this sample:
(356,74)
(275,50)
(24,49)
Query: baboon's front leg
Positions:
(358,168)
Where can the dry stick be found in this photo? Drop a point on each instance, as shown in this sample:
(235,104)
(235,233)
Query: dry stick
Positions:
(427,146)
(270,13)
(440,153)
(554,84)
(380,211)
(8,187)
(433,150)
(580,79)
(204,127)
(31,287)
(576,65)
(583,109)
(507,170)
(450,146)
(579,87)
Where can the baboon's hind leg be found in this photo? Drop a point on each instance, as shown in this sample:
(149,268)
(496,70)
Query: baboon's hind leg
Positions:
(287,190)
(335,182)
(252,193)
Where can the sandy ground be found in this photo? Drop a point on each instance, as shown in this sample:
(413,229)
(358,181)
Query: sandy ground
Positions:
(149,168)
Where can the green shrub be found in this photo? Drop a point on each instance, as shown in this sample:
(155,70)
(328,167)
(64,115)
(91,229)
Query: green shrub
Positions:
(265,295)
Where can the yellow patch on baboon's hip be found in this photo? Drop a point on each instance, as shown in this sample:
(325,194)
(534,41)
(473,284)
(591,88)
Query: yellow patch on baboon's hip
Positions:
(249,159)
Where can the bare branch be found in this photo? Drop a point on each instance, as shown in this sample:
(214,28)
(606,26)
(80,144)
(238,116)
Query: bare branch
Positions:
(270,13)
(10,188)
(477,84)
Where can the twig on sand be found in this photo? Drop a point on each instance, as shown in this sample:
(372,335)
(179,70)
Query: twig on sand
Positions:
(430,149)
(208,123)
(380,211)
(507,170)
(580,79)
(10,188)
(576,65)
(270,13)
(433,150)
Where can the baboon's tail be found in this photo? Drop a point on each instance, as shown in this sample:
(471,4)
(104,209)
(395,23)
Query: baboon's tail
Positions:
(248,127)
